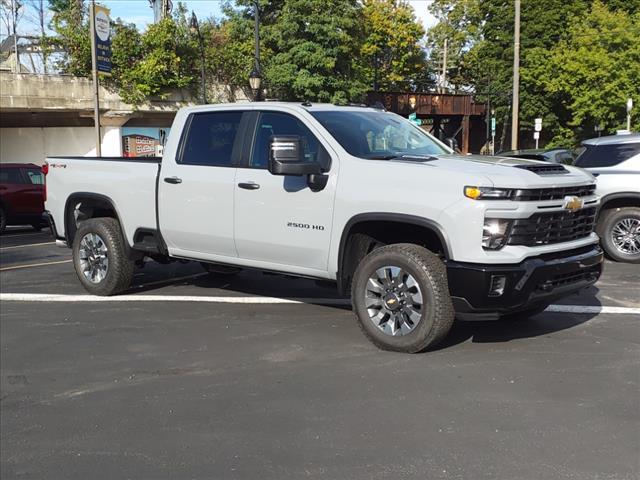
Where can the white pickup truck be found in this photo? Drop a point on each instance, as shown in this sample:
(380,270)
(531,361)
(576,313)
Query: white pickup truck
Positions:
(358,196)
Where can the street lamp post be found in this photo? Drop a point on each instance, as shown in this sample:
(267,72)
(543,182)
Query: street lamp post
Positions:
(255,79)
(194,26)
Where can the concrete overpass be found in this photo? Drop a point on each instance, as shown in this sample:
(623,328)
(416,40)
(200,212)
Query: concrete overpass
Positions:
(46,115)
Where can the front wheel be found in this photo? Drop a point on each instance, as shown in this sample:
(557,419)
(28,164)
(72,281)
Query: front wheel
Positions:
(100,257)
(401,298)
(619,231)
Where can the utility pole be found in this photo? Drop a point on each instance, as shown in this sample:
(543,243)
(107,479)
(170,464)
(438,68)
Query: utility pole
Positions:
(14,21)
(94,66)
(444,66)
(516,78)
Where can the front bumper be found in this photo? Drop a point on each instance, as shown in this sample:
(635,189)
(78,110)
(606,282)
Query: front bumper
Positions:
(534,282)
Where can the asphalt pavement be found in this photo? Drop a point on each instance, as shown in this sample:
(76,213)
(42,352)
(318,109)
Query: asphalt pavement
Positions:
(233,384)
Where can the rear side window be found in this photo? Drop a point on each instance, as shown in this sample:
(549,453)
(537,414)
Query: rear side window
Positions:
(11,176)
(35,176)
(211,138)
(607,155)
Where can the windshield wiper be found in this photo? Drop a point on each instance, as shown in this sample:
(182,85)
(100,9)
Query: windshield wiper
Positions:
(383,157)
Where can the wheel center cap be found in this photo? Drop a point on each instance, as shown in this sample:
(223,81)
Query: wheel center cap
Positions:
(392,301)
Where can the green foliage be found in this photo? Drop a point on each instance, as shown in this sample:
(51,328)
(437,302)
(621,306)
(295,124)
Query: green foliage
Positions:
(574,67)
(71,24)
(593,70)
(391,51)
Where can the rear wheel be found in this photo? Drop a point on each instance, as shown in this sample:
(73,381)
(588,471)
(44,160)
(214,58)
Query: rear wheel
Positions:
(100,257)
(401,298)
(619,231)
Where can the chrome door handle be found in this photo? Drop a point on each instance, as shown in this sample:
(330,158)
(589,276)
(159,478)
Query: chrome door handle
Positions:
(174,180)
(249,185)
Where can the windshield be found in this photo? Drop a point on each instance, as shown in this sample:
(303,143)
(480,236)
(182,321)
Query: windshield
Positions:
(377,135)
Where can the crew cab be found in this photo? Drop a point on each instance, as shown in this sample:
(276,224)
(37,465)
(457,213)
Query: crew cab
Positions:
(362,197)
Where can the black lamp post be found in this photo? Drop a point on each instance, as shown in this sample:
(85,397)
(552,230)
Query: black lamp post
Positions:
(255,79)
(194,26)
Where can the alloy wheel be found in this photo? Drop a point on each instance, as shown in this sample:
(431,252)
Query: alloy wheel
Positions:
(626,236)
(94,261)
(394,301)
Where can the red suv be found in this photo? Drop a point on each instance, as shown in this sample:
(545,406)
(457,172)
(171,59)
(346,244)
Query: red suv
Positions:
(21,195)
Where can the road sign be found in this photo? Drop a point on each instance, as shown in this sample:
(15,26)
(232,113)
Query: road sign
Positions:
(102,39)
(536,135)
(538,124)
(413,116)
(493,126)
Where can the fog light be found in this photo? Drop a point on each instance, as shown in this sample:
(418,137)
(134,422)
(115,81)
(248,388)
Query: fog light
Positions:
(496,288)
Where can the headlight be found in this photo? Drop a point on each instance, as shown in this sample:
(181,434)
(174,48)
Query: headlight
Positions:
(495,233)
(487,193)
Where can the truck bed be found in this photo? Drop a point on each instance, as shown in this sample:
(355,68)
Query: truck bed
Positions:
(128,182)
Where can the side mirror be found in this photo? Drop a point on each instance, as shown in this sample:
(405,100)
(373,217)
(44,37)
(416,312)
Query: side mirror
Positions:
(285,157)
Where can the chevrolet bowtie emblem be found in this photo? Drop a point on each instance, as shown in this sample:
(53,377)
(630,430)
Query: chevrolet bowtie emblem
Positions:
(392,301)
(572,203)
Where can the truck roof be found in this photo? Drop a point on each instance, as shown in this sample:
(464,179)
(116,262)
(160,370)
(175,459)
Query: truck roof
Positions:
(613,139)
(308,106)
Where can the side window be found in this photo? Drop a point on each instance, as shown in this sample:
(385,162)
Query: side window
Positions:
(607,155)
(211,138)
(276,123)
(11,176)
(35,176)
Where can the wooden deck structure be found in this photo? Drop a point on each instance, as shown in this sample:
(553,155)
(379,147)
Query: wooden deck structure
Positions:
(445,115)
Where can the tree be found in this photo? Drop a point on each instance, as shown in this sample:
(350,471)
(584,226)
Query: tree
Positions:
(71,24)
(393,58)
(591,72)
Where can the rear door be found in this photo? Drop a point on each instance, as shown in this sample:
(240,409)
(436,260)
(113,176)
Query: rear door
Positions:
(196,187)
(278,219)
(20,196)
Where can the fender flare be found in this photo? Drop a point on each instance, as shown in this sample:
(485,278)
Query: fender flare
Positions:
(423,222)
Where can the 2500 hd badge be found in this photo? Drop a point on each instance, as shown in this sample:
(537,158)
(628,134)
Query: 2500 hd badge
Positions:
(305,225)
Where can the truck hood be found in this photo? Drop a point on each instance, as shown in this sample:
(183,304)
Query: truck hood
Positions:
(507,172)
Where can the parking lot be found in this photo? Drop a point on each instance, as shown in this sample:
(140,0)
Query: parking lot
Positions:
(205,377)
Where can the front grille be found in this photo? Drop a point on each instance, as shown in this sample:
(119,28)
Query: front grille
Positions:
(541,194)
(548,169)
(552,227)
(561,280)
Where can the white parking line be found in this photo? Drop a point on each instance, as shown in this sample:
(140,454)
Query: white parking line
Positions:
(13,247)
(257,300)
(31,265)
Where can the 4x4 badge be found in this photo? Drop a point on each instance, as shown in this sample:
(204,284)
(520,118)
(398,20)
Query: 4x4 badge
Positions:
(572,203)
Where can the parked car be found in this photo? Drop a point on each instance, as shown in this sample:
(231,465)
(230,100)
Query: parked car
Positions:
(615,161)
(353,195)
(554,155)
(21,195)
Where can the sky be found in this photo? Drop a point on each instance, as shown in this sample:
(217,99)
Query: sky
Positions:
(140,13)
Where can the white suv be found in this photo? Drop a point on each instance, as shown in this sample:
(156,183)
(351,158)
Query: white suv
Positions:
(615,161)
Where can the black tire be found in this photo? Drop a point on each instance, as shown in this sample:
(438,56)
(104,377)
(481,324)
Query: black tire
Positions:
(120,267)
(606,224)
(3,220)
(430,274)
(524,314)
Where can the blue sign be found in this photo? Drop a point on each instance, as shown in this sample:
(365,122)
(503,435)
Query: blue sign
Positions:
(102,32)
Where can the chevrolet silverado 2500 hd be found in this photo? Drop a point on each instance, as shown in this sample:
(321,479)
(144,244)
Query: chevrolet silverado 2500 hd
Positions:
(359,196)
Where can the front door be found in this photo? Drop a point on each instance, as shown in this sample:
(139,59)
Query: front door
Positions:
(278,219)
(196,188)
